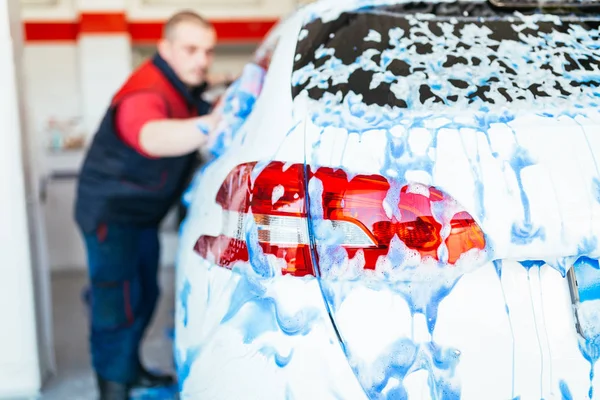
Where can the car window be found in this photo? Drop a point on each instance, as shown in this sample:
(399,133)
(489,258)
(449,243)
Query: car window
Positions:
(469,55)
(239,99)
(264,52)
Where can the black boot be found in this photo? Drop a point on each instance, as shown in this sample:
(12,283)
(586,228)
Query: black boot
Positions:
(148,380)
(112,390)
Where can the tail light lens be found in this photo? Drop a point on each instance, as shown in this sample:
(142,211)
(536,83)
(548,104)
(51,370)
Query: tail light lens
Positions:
(276,200)
(365,211)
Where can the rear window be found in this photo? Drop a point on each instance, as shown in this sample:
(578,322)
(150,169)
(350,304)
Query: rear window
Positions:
(472,54)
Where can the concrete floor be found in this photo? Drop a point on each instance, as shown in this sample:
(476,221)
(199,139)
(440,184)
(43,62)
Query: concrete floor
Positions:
(74,379)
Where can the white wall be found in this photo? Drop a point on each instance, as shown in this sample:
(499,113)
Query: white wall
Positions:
(53,90)
(159,9)
(217,9)
(19,362)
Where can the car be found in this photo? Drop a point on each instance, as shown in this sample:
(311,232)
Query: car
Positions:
(402,201)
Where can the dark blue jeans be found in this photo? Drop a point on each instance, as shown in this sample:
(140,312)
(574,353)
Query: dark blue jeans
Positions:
(123,267)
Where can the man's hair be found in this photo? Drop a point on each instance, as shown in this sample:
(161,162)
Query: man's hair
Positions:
(183,16)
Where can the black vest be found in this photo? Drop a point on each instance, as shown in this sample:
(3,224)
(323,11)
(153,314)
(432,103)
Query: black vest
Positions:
(117,184)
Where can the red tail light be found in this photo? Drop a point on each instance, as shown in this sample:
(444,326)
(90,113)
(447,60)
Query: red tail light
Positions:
(363,210)
(465,235)
(276,200)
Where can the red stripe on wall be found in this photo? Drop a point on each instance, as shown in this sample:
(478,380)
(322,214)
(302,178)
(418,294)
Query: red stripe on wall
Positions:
(50,31)
(102,23)
(140,31)
(227,31)
(248,30)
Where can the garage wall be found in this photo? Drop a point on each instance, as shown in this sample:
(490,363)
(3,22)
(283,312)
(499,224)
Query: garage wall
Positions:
(78,52)
(19,347)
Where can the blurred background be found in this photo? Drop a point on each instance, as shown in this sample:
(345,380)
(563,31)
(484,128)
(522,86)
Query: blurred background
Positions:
(61,62)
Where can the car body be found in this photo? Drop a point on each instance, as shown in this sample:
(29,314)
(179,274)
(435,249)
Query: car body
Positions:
(403,203)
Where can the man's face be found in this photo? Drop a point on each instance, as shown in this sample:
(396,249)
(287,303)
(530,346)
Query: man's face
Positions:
(189,51)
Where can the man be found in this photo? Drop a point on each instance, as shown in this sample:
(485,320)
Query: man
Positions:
(136,169)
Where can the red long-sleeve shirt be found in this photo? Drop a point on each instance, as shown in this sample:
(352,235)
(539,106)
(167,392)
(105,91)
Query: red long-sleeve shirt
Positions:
(134,112)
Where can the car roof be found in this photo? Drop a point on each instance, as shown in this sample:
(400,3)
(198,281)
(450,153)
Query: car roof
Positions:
(327,10)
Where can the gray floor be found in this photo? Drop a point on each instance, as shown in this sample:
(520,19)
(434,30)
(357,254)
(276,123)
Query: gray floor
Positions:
(74,378)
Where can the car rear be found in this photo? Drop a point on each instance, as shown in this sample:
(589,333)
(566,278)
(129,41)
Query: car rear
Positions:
(424,226)
(452,185)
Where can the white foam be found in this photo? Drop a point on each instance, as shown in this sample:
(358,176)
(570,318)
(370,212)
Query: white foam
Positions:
(589,318)
(278,192)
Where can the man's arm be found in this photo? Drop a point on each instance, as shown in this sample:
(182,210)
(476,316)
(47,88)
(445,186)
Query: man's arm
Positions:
(171,137)
(142,122)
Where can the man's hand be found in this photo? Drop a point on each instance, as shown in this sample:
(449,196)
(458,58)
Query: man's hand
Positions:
(208,123)
(220,79)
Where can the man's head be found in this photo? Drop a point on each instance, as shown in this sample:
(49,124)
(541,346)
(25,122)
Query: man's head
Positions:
(187,46)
